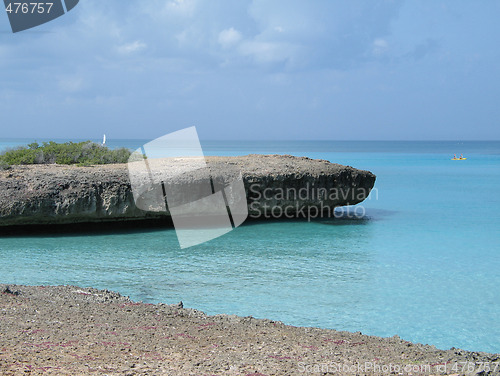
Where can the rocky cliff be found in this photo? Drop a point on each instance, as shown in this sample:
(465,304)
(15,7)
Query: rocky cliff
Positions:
(275,185)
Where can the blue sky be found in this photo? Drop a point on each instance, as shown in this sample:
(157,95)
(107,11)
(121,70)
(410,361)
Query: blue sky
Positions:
(256,69)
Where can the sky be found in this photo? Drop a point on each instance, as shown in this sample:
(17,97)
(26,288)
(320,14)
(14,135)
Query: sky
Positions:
(256,70)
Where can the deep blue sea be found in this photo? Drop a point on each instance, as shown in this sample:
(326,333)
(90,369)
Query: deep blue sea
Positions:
(423,263)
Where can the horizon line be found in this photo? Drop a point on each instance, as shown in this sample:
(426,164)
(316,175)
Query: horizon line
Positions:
(250,140)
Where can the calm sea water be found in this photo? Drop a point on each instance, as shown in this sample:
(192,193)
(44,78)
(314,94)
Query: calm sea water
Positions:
(423,263)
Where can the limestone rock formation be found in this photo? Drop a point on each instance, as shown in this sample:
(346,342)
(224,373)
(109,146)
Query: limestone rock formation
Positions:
(60,194)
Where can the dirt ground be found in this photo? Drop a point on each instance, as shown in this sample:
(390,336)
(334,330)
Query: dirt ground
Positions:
(67,330)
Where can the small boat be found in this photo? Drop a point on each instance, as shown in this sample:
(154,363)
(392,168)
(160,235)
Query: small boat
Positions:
(104,140)
(458,159)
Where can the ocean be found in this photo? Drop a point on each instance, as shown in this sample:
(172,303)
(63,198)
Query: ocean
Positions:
(422,263)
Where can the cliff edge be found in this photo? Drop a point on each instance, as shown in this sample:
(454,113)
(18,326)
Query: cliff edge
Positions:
(61,194)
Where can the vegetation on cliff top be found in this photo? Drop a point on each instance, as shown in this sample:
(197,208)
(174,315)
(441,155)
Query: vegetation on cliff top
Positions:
(81,153)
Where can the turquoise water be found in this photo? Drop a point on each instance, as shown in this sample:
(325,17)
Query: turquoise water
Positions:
(423,263)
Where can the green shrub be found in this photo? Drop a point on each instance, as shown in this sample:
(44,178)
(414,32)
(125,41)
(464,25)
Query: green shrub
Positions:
(4,165)
(81,153)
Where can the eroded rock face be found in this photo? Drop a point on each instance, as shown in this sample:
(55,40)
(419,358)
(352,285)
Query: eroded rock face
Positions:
(57,194)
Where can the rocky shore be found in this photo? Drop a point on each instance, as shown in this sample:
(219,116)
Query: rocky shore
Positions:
(60,194)
(68,330)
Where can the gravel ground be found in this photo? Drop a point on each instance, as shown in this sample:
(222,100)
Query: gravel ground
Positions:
(68,330)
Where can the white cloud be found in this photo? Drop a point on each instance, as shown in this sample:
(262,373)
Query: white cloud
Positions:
(71,84)
(326,34)
(191,38)
(130,48)
(229,37)
(95,22)
(380,46)
(171,11)
(181,7)
(268,52)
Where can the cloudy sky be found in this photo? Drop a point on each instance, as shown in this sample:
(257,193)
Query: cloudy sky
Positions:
(256,69)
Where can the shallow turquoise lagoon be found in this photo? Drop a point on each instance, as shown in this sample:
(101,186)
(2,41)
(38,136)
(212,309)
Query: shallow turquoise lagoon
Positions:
(423,263)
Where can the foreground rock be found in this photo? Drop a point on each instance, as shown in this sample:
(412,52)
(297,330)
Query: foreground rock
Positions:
(58,194)
(68,330)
